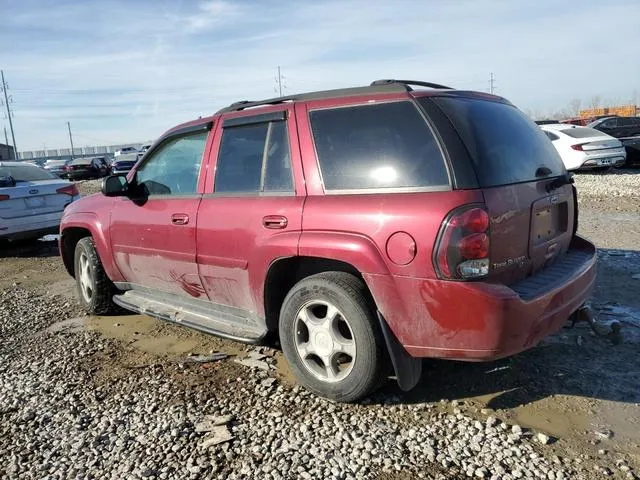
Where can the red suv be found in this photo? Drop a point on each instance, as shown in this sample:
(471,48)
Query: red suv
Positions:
(366,228)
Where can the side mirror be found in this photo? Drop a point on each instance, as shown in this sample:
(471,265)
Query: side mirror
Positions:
(7,181)
(115,186)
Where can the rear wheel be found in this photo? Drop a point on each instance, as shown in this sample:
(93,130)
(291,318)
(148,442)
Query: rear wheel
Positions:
(330,337)
(95,290)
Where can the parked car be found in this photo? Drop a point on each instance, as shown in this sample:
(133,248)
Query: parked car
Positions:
(575,121)
(38,162)
(31,200)
(357,225)
(145,148)
(583,148)
(57,167)
(125,150)
(618,127)
(546,122)
(632,147)
(82,168)
(124,163)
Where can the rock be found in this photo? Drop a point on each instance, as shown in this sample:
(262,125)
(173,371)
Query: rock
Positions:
(267,382)
(481,472)
(210,422)
(543,438)
(214,357)
(253,363)
(516,430)
(603,434)
(215,436)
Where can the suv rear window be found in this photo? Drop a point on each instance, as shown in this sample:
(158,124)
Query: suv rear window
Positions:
(377,146)
(505,145)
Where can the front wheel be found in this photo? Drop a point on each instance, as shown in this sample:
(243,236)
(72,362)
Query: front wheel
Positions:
(95,290)
(330,337)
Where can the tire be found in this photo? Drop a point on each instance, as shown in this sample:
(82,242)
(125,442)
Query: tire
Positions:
(95,290)
(325,312)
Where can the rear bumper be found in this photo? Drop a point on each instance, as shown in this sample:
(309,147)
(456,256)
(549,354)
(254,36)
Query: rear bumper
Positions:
(611,158)
(81,175)
(37,226)
(479,321)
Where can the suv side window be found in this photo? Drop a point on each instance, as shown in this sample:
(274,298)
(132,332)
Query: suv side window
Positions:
(377,146)
(611,123)
(254,159)
(173,168)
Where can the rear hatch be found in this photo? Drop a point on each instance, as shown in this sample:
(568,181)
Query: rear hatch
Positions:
(79,167)
(593,141)
(527,193)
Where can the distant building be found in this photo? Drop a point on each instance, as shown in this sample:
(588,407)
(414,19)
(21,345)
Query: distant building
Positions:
(621,110)
(6,152)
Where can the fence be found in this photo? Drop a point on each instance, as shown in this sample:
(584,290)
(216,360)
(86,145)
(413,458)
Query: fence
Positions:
(55,153)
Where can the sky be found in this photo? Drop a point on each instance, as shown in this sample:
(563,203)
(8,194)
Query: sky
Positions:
(125,71)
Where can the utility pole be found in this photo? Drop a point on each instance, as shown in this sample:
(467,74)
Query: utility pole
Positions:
(6,100)
(6,140)
(279,81)
(70,139)
(491,84)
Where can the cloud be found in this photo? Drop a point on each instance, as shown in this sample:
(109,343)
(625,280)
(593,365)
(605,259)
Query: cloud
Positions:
(211,13)
(128,70)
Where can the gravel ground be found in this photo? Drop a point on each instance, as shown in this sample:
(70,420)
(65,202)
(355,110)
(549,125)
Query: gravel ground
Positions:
(117,397)
(62,418)
(612,183)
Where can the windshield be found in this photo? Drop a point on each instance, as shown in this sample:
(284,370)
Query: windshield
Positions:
(25,173)
(505,145)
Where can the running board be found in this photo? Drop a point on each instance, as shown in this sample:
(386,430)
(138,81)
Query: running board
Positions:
(206,317)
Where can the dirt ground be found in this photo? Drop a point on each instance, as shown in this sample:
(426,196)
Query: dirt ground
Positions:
(581,389)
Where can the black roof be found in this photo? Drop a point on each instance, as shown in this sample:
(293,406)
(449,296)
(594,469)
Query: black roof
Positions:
(378,86)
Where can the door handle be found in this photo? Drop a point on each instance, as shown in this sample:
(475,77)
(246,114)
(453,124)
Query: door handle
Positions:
(275,222)
(179,218)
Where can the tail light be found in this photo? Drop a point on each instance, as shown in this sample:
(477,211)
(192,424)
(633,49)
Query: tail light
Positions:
(462,250)
(71,190)
(578,147)
(4,197)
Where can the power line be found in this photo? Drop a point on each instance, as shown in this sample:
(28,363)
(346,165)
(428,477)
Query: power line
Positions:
(5,87)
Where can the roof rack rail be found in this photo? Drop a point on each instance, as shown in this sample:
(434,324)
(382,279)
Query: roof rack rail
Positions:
(408,84)
(380,86)
(241,105)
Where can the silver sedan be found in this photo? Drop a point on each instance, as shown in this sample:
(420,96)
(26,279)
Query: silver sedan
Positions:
(31,200)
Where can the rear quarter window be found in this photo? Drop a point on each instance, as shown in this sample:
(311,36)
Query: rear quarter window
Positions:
(377,146)
(506,147)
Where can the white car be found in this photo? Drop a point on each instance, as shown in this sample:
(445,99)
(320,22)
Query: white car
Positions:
(125,150)
(31,201)
(585,148)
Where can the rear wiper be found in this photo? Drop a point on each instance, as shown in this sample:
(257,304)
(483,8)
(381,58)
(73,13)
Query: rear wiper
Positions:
(543,172)
(558,182)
